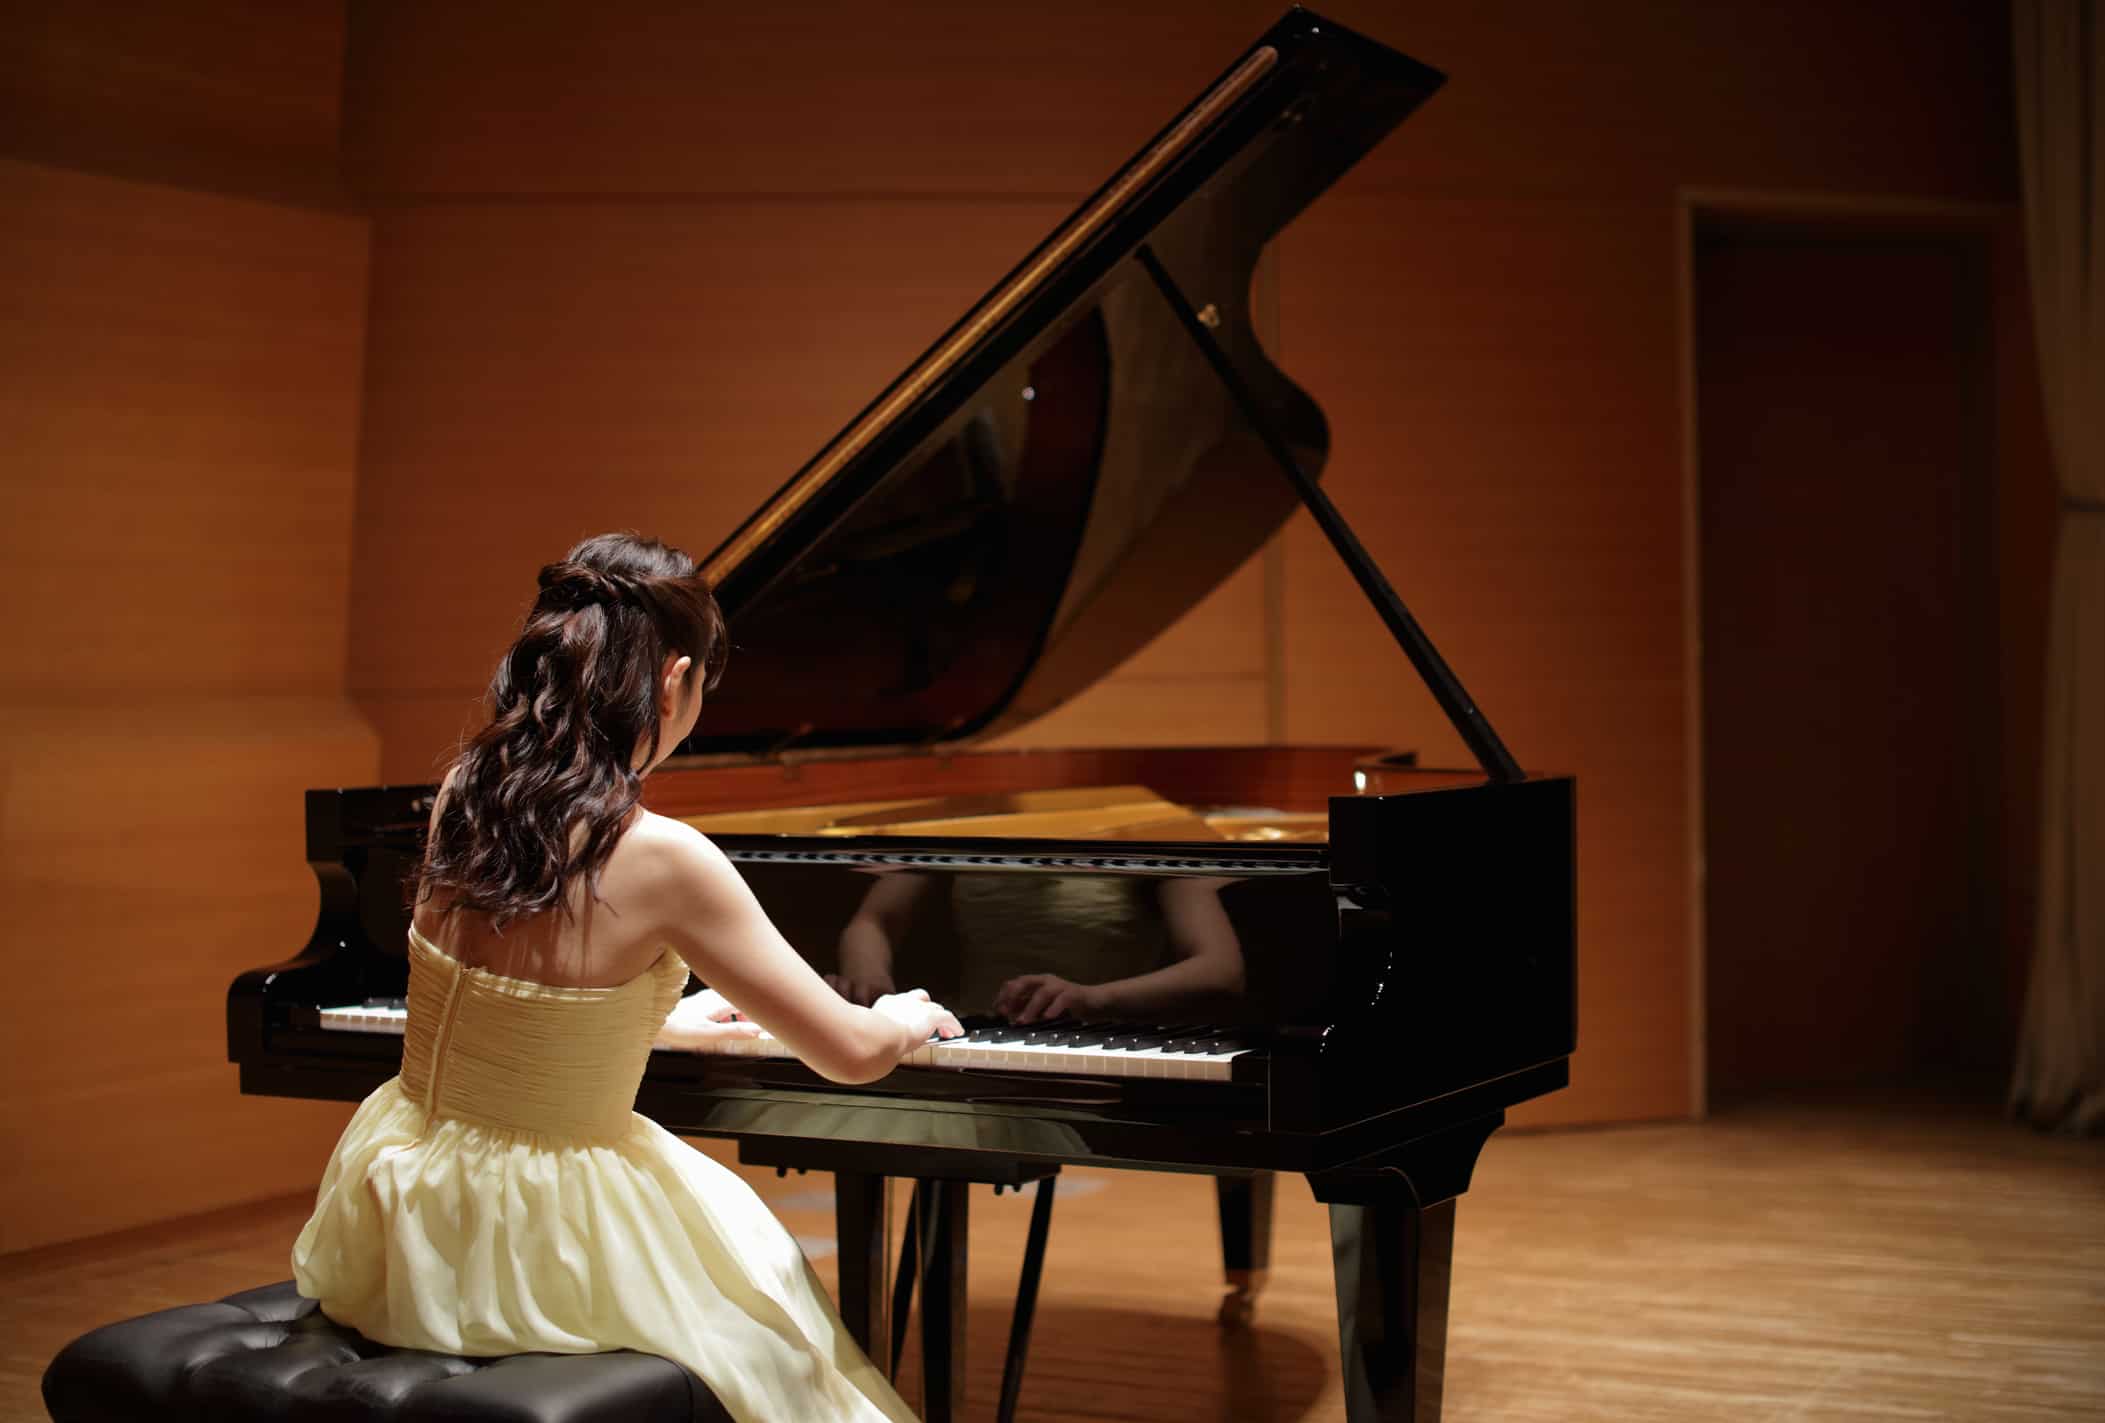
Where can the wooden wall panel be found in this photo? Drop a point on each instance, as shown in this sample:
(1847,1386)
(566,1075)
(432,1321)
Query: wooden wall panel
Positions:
(948,96)
(814,97)
(1632,98)
(144,870)
(209,93)
(182,409)
(1500,380)
(181,397)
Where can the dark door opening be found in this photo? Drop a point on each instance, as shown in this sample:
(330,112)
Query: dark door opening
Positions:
(1850,737)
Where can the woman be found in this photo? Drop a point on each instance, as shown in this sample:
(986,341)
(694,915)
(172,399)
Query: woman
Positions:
(501,1195)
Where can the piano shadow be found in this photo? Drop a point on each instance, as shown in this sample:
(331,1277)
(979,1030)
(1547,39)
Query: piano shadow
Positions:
(1093,1360)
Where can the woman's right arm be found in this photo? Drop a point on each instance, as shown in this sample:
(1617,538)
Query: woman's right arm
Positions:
(714,922)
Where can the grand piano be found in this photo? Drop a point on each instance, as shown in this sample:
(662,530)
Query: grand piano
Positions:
(1316,961)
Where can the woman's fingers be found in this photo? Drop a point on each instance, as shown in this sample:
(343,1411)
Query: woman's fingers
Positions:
(695,1034)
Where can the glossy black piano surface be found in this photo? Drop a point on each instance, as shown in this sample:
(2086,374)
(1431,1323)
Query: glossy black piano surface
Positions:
(1423,977)
(1082,457)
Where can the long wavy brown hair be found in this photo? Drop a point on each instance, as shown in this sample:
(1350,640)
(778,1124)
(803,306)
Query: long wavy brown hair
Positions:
(570,703)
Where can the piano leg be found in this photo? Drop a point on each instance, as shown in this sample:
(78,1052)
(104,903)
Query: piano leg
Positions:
(942,1231)
(1392,1260)
(908,1276)
(1246,1242)
(1026,1302)
(874,1304)
(862,1223)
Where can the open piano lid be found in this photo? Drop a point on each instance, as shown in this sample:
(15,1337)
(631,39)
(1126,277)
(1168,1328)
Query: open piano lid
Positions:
(1061,476)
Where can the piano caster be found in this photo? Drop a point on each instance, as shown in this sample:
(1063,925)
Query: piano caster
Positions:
(1239,1304)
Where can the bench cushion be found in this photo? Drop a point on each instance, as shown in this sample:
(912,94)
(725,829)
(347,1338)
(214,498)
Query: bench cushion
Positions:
(269,1354)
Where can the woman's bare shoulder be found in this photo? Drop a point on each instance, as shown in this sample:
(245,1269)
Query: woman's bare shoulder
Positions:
(678,878)
(662,848)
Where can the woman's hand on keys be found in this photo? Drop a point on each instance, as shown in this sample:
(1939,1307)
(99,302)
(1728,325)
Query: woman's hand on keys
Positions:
(920,1015)
(701,1019)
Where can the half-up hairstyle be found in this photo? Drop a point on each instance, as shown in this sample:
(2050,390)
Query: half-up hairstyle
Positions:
(571,702)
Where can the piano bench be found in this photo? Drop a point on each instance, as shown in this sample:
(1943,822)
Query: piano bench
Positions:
(269,1354)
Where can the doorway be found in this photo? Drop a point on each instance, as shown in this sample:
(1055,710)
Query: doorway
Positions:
(1844,395)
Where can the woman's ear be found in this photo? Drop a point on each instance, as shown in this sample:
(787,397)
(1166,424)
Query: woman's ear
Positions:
(676,670)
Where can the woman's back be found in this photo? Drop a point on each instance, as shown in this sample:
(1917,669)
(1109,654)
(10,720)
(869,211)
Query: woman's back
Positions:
(608,934)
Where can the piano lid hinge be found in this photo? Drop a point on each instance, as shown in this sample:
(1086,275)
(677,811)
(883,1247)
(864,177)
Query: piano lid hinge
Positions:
(779,752)
(932,744)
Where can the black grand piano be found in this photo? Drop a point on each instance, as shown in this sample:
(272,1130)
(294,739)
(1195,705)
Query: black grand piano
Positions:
(1308,960)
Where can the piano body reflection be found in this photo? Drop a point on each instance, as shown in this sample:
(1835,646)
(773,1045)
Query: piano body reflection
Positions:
(1305,960)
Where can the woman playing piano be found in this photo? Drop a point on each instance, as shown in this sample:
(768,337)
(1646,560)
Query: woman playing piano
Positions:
(501,1196)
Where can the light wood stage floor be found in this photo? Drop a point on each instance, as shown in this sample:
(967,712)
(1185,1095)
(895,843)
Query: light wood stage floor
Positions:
(1874,1259)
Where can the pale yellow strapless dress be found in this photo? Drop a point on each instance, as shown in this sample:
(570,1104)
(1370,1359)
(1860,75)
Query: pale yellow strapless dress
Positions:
(501,1196)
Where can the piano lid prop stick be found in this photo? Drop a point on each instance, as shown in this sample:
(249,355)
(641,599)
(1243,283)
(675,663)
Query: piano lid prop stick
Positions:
(1447,689)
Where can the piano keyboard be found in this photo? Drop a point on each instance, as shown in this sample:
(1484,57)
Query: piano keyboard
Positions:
(1171,1052)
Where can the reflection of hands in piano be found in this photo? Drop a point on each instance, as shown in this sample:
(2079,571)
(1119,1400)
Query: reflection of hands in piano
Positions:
(702,1019)
(863,984)
(1032,997)
(880,921)
(1204,975)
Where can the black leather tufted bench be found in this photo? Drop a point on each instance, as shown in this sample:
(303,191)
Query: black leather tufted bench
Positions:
(269,1354)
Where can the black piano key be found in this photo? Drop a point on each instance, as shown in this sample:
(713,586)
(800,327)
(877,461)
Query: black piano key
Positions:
(1199,1039)
(1044,1033)
(1143,1036)
(1126,1035)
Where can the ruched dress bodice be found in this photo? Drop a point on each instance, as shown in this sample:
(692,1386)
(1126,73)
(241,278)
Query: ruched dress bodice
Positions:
(530,1057)
(501,1196)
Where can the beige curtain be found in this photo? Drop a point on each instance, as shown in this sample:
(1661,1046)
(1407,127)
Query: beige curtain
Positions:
(2060,51)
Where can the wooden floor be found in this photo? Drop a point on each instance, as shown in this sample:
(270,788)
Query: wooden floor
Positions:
(1869,1260)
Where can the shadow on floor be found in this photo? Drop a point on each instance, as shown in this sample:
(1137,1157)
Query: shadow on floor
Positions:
(1179,1366)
